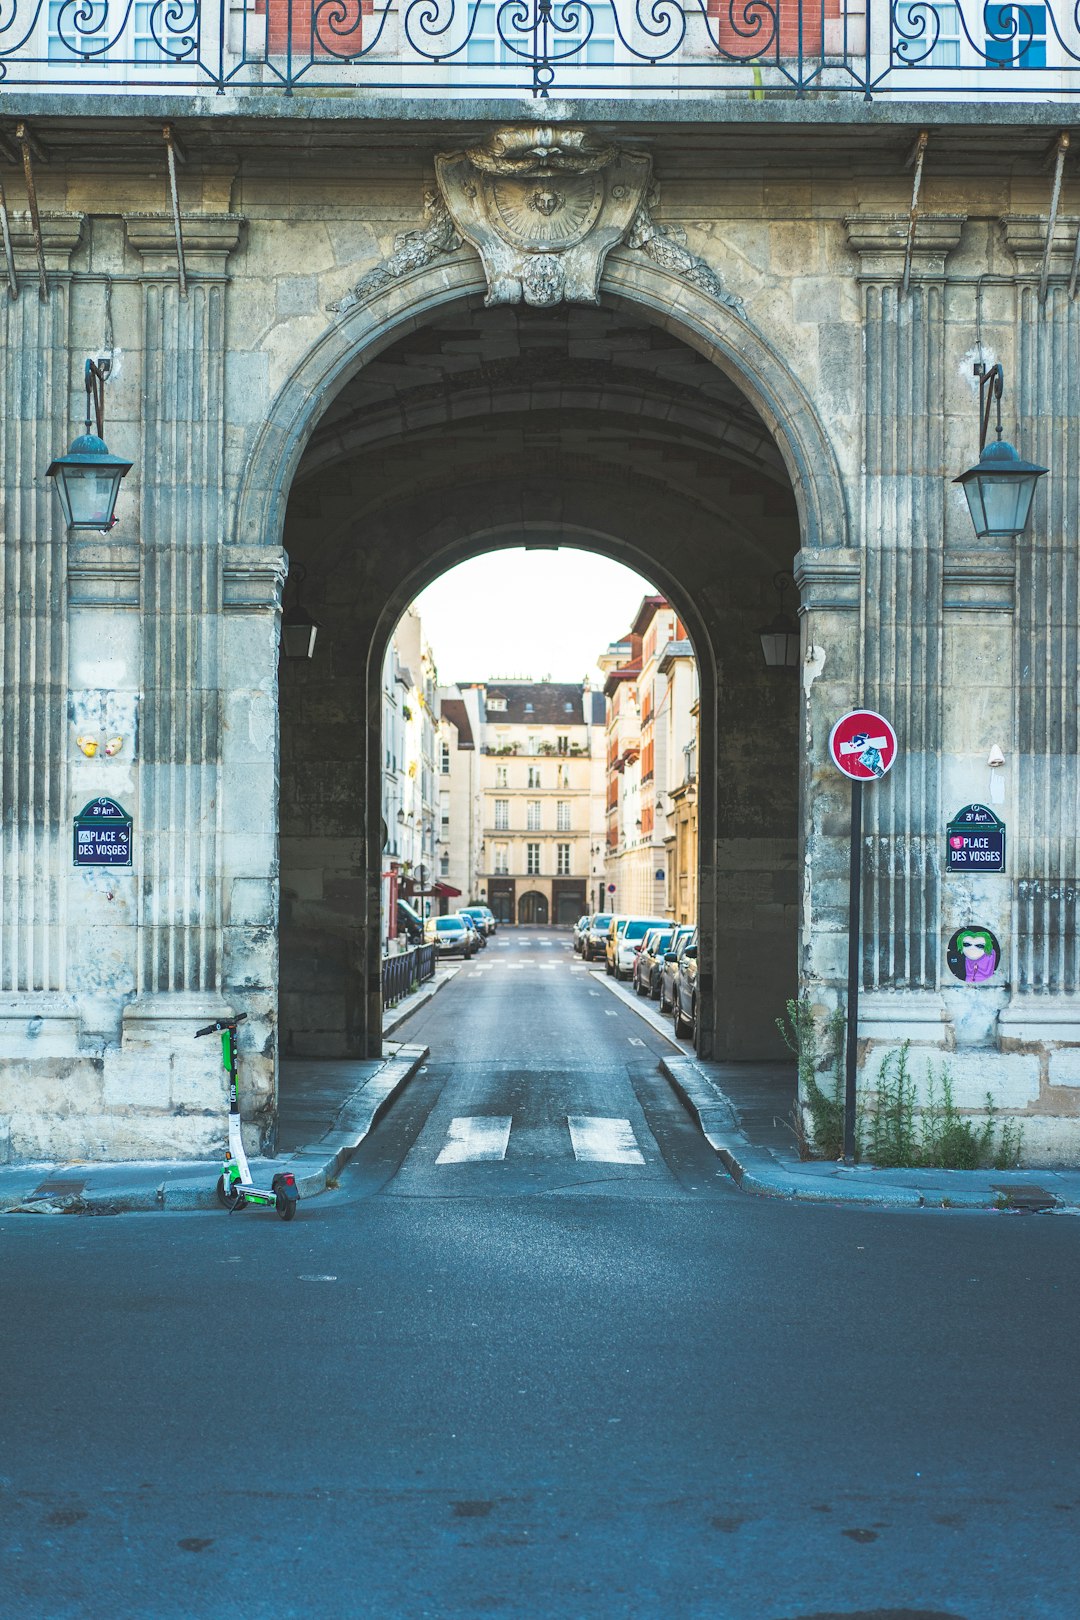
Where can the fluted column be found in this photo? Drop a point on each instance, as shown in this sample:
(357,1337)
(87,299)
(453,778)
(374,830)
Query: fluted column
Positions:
(37,392)
(182,470)
(903,525)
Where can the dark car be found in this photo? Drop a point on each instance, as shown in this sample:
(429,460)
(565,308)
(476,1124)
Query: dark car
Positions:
(481,916)
(595,940)
(679,941)
(649,962)
(581,928)
(684,1007)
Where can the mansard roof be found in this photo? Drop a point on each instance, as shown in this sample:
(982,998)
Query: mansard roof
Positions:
(535,703)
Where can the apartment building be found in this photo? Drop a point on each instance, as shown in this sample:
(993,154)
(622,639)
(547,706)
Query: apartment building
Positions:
(535,850)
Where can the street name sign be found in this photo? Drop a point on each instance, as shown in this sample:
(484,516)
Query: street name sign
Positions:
(976,841)
(102,834)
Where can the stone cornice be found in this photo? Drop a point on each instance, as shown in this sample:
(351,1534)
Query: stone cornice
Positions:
(1025,239)
(103,573)
(979,581)
(829,579)
(60,236)
(209,239)
(253,577)
(880,240)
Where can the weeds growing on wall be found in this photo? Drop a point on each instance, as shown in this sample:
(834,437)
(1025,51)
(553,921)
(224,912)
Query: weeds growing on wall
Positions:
(900,1135)
(892,1131)
(818,1051)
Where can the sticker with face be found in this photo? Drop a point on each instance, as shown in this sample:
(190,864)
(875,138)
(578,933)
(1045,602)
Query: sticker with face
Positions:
(973,954)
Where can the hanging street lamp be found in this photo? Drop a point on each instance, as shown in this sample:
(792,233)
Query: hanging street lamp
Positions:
(780,637)
(88,477)
(298,628)
(1000,487)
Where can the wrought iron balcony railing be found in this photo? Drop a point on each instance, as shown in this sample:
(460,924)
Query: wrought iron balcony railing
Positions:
(912,49)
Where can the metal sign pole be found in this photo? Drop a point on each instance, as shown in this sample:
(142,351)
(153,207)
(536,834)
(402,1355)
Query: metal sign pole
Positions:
(854,970)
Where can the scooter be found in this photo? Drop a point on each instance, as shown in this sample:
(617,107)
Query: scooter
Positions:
(235,1188)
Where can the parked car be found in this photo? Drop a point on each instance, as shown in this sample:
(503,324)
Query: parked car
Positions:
(595,940)
(482,917)
(617,920)
(410,923)
(649,961)
(451,936)
(684,1007)
(581,928)
(479,938)
(490,919)
(682,936)
(624,942)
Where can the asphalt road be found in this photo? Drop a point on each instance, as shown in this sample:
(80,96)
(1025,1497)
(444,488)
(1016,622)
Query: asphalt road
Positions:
(537,1357)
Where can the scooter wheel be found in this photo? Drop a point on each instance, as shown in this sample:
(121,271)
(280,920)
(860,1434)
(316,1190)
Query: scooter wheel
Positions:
(286,1207)
(227,1198)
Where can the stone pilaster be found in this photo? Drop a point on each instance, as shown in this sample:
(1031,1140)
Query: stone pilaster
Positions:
(182,471)
(903,524)
(41,410)
(1045,842)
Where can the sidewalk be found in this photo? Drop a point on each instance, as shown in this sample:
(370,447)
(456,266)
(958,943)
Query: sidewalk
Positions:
(326,1108)
(744,1110)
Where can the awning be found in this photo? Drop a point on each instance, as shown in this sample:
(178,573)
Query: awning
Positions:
(446,891)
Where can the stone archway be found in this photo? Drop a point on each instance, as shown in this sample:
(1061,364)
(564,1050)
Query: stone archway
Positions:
(646,452)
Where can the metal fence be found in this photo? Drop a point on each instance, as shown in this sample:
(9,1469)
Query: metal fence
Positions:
(406,972)
(913,49)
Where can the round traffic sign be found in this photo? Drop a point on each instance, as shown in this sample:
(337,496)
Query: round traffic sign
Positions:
(862,744)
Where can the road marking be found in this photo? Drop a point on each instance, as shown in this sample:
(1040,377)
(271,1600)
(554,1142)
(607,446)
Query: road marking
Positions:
(549,967)
(516,967)
(475,1136)
(610,1013)
(603,1141)
(635,1042)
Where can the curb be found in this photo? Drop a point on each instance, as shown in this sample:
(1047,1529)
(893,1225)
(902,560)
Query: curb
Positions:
(755,1170)
(313,1166)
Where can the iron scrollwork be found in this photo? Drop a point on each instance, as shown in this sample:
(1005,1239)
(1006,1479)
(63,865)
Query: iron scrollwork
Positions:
(621,48)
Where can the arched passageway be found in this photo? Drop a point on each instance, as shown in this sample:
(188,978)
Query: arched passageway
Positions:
(533,908)
(575,427)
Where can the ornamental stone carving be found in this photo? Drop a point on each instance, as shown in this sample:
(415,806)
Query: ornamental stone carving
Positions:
(543,208)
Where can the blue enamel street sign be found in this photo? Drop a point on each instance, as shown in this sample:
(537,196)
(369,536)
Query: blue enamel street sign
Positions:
(102,834)
(976,841)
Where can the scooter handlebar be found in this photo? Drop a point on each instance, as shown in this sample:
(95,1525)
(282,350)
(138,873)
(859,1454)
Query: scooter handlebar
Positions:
(220,1024)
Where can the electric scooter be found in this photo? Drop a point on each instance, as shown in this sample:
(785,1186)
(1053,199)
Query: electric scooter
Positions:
(235,1188)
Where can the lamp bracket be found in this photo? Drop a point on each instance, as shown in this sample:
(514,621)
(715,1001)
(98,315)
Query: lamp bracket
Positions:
(991,386)
(96,373)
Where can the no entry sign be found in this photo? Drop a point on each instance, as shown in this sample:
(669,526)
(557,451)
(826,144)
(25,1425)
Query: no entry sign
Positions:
(862,744)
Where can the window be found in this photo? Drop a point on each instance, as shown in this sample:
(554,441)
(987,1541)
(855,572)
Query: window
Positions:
(444,759)
(936,26)
(533,814)
(563,743)
(529,708)
(496,705)
(532,859)
(562,776)
(444,866)
(1016,35)
(502,815)
(563,864)
(502,859)
(534,776)
(562,815)
(501,777)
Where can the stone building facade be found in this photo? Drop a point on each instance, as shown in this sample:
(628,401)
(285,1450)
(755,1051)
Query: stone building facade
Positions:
(530,824)
(712,338)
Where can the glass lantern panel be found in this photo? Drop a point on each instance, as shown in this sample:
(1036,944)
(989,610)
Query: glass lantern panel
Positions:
(91,496)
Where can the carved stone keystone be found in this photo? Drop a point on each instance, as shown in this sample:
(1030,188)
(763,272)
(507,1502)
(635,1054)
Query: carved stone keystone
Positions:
(543,208)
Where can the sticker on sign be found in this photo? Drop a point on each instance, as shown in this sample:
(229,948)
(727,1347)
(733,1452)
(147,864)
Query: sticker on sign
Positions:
(862,744)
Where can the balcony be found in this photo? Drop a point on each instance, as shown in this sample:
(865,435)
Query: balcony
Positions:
(904,49)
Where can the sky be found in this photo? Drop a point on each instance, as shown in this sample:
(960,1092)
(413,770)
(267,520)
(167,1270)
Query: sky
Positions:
(537,614)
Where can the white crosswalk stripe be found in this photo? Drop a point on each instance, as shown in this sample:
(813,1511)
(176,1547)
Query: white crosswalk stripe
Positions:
(474,1137)
(603,1141)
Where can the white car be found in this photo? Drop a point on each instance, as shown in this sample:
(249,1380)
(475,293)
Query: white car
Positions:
(629,938)
(451,936)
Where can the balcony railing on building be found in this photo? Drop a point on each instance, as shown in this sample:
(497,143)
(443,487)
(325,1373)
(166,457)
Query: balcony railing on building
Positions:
(756,49)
